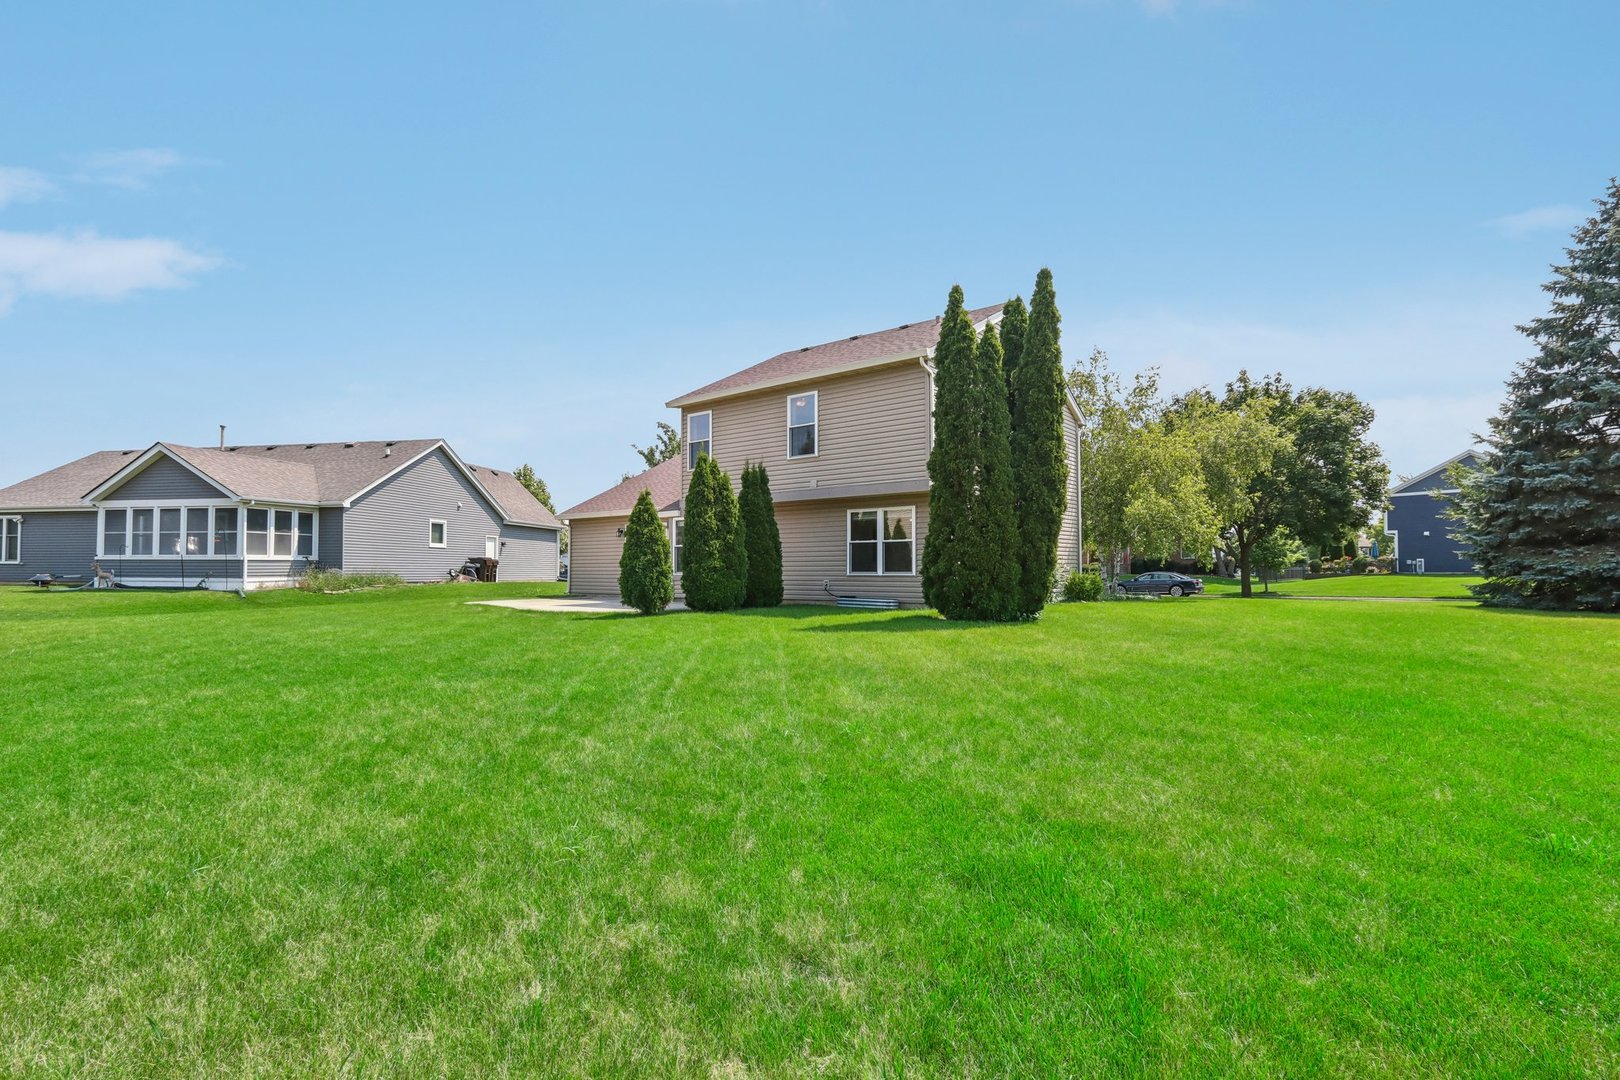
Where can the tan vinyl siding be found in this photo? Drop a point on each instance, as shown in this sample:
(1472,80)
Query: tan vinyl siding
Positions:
(815,548)
(594,547)
(871,427)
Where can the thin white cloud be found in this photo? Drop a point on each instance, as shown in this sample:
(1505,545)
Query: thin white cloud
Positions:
(129,169)
(1559,218)
(23,185)
(86,264)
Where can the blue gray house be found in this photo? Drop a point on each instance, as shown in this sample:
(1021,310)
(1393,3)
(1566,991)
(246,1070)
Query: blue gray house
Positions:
(1416,519)
(253,517)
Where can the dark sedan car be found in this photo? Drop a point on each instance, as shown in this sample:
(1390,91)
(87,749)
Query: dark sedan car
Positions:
(1163,583)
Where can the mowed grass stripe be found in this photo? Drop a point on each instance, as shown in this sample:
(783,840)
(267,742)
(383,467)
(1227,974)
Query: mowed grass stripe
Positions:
(389,832)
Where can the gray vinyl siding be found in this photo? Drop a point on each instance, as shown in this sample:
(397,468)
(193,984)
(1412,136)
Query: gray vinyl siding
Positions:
(61,544)
(386,529)
(528,554)
(268,573)
(164,480)
(329,538)
(815,547)
(594,547)
(220,572)
(1409,517)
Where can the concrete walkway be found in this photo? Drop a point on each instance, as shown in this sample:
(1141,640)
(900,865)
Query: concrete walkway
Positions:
(576,604)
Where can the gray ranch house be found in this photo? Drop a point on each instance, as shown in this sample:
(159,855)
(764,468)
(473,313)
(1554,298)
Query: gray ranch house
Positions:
(251,517)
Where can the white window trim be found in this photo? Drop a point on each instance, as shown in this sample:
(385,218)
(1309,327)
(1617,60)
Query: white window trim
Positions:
(882,512)
(445,532)
(213,507)
(815,423)
(686,447)
(7,523)
(675,523)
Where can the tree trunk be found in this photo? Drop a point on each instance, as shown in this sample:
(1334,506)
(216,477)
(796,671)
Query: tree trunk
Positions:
(1245,544)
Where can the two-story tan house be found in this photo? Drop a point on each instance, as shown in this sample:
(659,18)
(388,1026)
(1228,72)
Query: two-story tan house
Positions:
(844,430)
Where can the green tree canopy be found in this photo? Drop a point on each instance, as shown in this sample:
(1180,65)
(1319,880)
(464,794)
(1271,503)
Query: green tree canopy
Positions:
(1542,514)
(525,475)
(667,445)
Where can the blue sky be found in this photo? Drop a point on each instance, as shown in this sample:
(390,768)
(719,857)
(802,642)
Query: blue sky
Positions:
(524,229)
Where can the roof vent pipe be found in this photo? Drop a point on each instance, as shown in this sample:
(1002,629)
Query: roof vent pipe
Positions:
(222,436)
(388,451)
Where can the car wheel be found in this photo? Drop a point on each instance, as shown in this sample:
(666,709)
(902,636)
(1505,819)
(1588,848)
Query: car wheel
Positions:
(1175,590)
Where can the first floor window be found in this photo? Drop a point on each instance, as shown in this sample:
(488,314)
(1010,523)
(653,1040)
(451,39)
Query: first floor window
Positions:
(283,545)
(11,539)
(197,531)
(168,531)
(882,541)
(140,531)
(113,539)
(225,530)
(306,534)
(699,441)
(677,542)
(436,534)
(258,532)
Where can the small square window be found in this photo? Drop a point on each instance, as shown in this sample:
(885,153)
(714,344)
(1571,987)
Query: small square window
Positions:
(436,534)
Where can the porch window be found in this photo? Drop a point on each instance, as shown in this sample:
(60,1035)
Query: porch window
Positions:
(802,425)
(11,540)
(196,531)
(113,538)
(882,541)
(282,545)
(140,533)
(169,531)
(258,531)
(699,437)
(225,530)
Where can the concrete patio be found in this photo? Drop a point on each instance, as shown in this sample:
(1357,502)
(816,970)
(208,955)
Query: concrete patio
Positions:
(566,604)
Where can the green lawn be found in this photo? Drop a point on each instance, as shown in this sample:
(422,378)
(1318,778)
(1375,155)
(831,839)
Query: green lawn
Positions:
(1448,586)
(391,834)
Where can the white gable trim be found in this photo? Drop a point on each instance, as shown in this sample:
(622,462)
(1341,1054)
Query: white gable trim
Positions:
(136,467)
(1426,474)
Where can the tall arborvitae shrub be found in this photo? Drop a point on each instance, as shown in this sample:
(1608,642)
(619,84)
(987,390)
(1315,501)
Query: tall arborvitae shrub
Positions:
(762,538)
(1014,326)
(1543,513)
(1040,465)
(714,562)
(646,578)
(951,467)
(969,565)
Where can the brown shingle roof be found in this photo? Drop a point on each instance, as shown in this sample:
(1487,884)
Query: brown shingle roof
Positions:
(907,340)
(663,480)
(520,506)
(65,485)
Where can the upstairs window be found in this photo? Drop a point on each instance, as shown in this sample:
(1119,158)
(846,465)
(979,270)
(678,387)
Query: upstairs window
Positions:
(11,540)
(699,428)
(802,425)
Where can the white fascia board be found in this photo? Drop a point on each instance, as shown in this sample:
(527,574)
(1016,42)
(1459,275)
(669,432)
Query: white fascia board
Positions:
(791,380)
(149,455)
